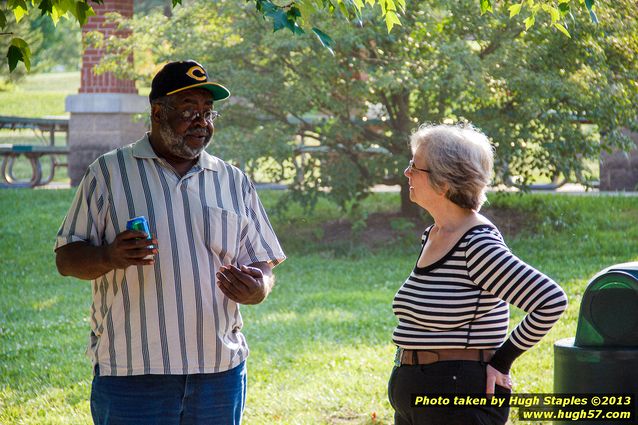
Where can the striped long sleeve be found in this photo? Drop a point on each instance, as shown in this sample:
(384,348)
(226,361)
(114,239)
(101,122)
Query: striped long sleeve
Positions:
(493,267)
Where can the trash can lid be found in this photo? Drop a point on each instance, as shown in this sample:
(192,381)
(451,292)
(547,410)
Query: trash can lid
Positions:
(609,309)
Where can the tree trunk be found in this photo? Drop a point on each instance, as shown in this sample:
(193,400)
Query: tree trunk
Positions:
(168,9)
(408,208)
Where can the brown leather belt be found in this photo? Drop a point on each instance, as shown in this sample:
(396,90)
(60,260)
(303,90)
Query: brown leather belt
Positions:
(422,357)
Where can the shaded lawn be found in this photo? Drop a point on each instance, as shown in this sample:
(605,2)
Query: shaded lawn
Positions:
(320,346)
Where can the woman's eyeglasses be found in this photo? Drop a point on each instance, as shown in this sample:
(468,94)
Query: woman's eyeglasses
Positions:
(412,167)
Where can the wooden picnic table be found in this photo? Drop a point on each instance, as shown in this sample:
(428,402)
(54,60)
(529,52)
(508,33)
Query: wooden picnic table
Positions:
(35,153)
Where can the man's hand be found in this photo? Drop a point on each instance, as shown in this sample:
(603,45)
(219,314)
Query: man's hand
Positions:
(130,248)
(246,284)
(495,377)
(86,261)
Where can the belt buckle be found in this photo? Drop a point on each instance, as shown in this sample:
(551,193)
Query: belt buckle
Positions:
(397,357)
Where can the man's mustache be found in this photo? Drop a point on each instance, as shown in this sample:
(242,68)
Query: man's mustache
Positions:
(198,133)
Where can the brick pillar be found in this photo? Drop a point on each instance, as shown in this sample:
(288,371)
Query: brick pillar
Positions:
(104,115)
(619,170)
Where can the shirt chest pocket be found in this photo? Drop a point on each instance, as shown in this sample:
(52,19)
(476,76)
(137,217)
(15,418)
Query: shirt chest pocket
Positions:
(222,232)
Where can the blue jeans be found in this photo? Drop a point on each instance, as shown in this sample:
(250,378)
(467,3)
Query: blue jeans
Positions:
(198,399)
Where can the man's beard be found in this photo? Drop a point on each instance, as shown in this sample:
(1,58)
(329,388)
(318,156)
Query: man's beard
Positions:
(177,145)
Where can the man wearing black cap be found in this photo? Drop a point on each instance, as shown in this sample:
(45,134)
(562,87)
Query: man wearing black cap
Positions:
(166,341)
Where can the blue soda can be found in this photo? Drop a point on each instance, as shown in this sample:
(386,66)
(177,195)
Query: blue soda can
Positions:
(140,224)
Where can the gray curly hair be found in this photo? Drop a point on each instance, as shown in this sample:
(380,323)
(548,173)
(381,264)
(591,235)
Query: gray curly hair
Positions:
(459,157)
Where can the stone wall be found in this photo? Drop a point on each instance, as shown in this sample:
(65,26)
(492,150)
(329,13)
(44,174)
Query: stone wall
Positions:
(619,170)
(94,131)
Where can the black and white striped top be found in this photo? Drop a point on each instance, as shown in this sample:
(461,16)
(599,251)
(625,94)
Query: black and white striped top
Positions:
(461,301)
(169,318)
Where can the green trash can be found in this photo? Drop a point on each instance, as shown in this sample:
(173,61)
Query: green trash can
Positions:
(603,358)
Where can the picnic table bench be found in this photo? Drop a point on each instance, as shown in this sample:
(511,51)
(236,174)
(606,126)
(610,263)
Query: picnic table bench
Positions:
(45,130)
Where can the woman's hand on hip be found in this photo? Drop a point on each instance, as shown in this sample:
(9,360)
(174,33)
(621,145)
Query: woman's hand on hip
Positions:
(494,377)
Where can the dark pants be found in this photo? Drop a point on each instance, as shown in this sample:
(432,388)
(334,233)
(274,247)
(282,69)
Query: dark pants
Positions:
(443,378)
(210,398)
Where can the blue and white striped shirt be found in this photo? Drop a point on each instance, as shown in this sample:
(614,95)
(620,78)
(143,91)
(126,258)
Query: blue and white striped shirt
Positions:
(169,318)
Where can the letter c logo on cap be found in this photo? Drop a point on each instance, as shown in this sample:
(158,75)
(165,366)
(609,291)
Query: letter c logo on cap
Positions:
(197,73)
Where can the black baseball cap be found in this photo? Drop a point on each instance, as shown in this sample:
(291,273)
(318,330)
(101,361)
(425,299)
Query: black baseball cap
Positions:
(183,75)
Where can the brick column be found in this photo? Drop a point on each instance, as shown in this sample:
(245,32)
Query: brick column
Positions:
(104,115)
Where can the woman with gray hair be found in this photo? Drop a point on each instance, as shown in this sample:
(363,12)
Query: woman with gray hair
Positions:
(453,309)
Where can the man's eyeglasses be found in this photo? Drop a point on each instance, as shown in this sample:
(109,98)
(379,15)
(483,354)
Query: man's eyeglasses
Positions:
(190,115)
(412,167)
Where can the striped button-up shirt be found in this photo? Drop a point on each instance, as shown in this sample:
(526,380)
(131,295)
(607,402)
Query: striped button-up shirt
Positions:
(169,318)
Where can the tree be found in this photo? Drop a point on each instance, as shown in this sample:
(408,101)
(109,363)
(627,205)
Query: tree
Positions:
(53,47)
(61,46)
(526,89)
(294,15)
(18,49)
(35,41)
(297,14)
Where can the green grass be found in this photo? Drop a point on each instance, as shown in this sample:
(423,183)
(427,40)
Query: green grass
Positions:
(54,82)
(40,95)
(320,345)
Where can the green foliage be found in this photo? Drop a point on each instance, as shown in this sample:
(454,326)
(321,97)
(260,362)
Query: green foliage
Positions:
(46,45)
(293,15)
(12,53)
(486,6)
(19,50)
(325,39)
(401,225)
(61,45)
(355,109)
(298,14)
